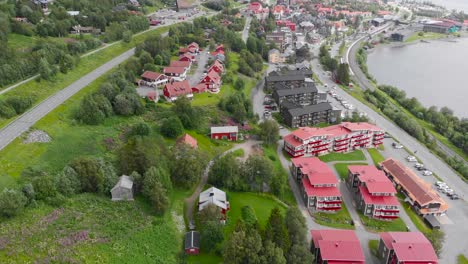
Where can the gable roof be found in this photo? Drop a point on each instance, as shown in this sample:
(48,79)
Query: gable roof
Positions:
(178,88)
(374,179)
(176,70)
(317,171)
(124,182)
(213,76)
(338,245)
(416,188)
(189,140)
(151,75)
(224,129)
(212,196)
(185,64)
(217,64)
(192,240)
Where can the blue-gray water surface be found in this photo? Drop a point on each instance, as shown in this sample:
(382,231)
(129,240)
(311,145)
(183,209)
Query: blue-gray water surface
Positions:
(436,73)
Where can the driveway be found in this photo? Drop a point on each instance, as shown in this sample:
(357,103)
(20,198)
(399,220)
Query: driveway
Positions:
(202,60)
(245,32)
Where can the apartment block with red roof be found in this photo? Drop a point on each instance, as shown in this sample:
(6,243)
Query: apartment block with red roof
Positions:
(318,184)
(421,196)
(406,248)
(344,137)
(336,247)
(373,192)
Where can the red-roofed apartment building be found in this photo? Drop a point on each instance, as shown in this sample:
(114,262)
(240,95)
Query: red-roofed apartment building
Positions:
(343,137)
(336,247)
(373,192)
(175,89)
(406,248)
(421,196)
(318,184)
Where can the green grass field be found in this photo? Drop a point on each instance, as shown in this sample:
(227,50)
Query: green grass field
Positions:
(342,168)
(425,36)
(341,219)
(92,229)
(416,219)
(374,247)
(376,156)
(375,225)
(356,155)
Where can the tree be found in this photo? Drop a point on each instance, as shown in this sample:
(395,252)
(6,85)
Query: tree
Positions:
(139,154)
(68,182)
(273,254)
(46,71)
(145,58)
(157,196)
(249,217)
(296,226)
(189,165)
(269,132)
(67,63)
(243,248)
(187,115)
(437,239)
(45,187)
(11,202)
(258,171)
(239,84)
(140,129)
(172,127)
(212,235)
(158,174)
(89,112)
(90,173)
(276,231)
(299,254)
(226,173)
(343,73)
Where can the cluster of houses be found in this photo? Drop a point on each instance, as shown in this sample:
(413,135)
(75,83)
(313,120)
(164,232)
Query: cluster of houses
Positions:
(174,81)
(343,246)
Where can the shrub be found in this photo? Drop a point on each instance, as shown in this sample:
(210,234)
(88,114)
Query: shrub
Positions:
(11,202)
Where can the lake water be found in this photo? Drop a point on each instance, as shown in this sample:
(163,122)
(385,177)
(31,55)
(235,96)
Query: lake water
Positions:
(436,73)
(461,5)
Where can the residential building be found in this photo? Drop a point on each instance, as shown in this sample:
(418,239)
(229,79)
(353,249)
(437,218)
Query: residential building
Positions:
(343,137)
(406,248)
(212,81)
(84,30)
(188,140)
(278,38)
(217,66)
(184,5)
(214,196)
(304,95)
(175,73)
(184,64)
(175,89)
(318,184)
(187,57)
(153,79)
(192,243)
(295,115)
(421,196)
(123,189)
(377,22)
(336,246)
(443,27)
(291,79)
(373,192)
(225,132)
(275,56)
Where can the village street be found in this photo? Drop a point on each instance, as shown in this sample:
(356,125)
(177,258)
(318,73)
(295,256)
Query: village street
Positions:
(202,60)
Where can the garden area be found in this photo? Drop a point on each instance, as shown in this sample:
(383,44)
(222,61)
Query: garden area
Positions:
(375,225)
(340,219)
(376,156)
(356,155)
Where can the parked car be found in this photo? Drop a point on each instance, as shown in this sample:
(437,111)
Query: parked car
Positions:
(386,135)
(418,165)
(454,196)
(421,168)
(397,146)
(411,159)
(427,173)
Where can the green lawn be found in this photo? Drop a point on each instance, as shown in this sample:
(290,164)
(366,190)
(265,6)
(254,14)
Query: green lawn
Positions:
(91,228)
(375,225)
(376,156)
(425,36)
(341,219)
(342,169)
(262,205)
(374,247)
(416,219)
(356,155)
(204,258)
(21,42)
(462,259)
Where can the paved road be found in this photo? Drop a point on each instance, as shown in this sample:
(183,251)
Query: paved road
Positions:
(29,118)
(455,242)
(201,63)
(245,32)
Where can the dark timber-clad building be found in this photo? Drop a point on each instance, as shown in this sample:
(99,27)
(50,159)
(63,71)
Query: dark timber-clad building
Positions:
(290,79)
(307,115)
(304,95)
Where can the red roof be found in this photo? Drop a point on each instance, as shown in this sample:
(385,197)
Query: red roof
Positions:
(185,64)
(341,246)
(374,179)
(213,76)
(186,55)
(383,12)
(176,70)
(176,89)
(334,131)
(199,88)
(377,200)
(317,171)
(218,65)
(189,140)
(150,75)
(193,45)
(409,252)
(320,191)
(465,22)
(255,6)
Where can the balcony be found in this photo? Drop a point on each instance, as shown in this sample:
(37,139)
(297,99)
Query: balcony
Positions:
(339,140)
(321,145)
(361,139)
